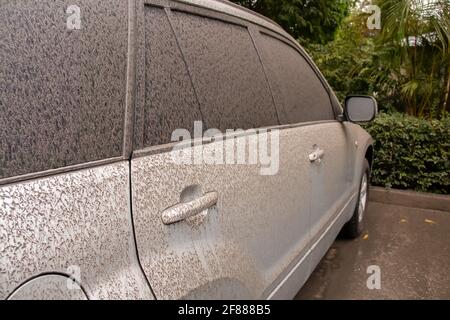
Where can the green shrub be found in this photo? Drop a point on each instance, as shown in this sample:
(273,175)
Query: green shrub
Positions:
(411,153)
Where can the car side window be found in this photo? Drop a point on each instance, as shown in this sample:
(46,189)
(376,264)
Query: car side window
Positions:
(62,85)
(299,94)
(170,101)
(226,72)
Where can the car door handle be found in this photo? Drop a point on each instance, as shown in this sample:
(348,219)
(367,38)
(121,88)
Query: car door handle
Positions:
(317,156)
(183,211)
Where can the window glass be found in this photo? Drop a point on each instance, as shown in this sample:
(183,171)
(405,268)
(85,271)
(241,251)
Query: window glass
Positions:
(62,84)
(298,92)
(170,101)
(226,72)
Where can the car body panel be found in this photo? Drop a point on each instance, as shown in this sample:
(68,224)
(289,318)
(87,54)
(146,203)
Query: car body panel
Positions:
(349,143)
(363,141)
(300,271)
(215,258)
(332,176)
(75,220)
(259,226)
(49,287)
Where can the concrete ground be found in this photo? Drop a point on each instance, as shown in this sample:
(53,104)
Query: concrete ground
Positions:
(410,245)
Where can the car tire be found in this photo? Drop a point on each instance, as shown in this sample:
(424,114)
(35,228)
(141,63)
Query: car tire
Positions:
(355,226)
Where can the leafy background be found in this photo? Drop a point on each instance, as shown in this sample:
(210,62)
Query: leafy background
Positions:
(411,153)
(405,65)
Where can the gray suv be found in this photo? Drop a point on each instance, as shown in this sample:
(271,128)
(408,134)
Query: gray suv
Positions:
(93,204)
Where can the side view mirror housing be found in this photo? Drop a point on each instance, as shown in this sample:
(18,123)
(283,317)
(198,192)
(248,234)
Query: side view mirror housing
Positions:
(360,109)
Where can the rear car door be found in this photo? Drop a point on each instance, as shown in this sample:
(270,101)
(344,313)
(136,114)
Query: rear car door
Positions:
(252,229)
(64,170)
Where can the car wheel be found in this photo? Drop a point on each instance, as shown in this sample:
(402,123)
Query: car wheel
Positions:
(355,226)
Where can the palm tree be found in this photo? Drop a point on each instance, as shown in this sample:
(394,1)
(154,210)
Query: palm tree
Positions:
(414,43)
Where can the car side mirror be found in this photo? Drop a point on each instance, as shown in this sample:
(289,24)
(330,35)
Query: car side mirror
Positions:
(360,109)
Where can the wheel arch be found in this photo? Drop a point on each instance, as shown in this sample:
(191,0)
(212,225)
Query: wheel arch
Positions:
(369,155)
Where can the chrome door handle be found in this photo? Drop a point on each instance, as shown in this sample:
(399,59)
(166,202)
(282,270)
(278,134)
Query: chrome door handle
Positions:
(183,211)
(317,156)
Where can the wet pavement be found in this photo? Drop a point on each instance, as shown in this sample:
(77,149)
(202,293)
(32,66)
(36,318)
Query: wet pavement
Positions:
(410,246)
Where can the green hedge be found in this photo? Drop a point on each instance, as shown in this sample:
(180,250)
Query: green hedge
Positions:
(411,153)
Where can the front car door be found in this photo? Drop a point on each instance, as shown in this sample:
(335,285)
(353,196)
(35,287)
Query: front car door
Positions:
(303,96)
(306,104)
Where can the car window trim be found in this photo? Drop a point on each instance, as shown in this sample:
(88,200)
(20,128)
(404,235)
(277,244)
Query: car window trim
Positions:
(57,171)
(165,148)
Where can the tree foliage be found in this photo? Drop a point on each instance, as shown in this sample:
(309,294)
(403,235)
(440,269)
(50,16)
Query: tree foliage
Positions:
(308,21)
(348,61)
(414,44)
(406,64)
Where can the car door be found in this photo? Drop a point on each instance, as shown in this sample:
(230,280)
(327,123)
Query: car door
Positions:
(65,221)
(207,229)
(302,98)
(332,192)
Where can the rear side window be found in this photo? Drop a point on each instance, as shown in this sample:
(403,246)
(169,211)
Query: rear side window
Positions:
(170,101)
(62,84)
(226,72)
(299,94)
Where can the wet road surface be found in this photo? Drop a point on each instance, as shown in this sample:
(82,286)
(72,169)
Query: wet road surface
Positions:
(411,247)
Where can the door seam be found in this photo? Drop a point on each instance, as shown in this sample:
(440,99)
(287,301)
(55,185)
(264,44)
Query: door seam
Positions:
(130,185)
